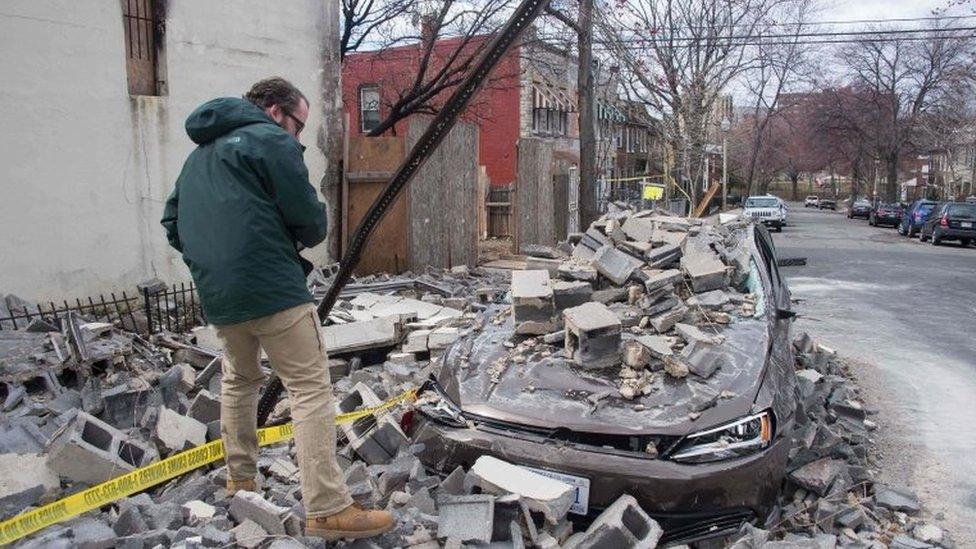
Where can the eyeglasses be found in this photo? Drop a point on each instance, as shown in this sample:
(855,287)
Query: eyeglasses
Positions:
(301,125)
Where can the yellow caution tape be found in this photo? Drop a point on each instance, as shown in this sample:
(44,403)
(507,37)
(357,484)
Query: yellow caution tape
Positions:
(117,488)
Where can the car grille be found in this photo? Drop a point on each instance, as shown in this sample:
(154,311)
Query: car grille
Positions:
(762,214)
(686,528)
(631,445)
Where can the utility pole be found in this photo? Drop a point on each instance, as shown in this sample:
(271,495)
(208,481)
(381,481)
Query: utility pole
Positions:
(587,175)
(725,127)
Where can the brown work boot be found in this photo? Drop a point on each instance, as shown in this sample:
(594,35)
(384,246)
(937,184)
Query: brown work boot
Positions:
(247,485)
(352,522)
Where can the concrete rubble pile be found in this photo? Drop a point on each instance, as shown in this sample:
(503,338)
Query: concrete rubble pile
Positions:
(641,292)
(831,498)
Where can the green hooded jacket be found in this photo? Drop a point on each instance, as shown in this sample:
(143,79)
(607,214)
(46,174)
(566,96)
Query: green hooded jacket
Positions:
(241,207)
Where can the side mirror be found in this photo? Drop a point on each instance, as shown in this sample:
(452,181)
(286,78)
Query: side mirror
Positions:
(785,314)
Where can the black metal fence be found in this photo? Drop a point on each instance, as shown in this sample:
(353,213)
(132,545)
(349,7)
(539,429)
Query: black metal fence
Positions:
(176,309)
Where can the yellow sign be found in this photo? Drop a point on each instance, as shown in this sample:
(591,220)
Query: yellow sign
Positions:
(653,192)
(117,488)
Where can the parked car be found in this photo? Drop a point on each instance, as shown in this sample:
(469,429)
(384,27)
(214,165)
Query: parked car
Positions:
(700,476)
(768,210)
(914,216)
(950,221)
(811,201)
(826,204)
(886,214)
(784,206)
(860,208)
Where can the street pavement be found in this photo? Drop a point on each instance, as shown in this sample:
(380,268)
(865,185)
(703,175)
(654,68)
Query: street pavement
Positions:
(905,313)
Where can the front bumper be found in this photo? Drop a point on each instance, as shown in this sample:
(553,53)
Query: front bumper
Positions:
(769,222)
(690,501)
(885,220)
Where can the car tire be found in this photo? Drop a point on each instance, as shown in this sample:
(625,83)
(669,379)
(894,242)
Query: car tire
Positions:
(921,235)
(871,221)
(936,239)
(965,242)
(901,229)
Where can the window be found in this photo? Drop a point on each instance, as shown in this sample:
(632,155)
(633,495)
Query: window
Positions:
(141,22)
(369,108)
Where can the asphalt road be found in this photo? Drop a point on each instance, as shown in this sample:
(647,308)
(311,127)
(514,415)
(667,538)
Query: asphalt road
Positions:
(905,313)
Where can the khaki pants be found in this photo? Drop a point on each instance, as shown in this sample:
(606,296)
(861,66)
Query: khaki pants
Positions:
(292,342)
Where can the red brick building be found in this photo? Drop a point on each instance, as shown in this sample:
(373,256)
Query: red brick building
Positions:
(529,94)
(371,82)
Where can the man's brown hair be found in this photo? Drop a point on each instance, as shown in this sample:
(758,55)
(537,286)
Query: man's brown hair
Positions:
(275,91)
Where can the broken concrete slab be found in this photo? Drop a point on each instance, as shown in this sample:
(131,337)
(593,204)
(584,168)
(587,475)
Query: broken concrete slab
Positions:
(657,279)
(702,359)
(663,322)
(571,294)
(25,480)
(896,500)
(658,346)
(542,494)
(705,271)
(361,336)
(694,334)
(175,432)
(817,476)
(249,534)
(533,304)
(578,270)
(592,335)
(663,256)
(639,229)
(205,407)
(614,264)
(252,506)
(710,301)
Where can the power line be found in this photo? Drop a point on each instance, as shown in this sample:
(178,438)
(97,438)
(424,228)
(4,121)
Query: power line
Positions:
(605,45)
(876,33)
(857,21)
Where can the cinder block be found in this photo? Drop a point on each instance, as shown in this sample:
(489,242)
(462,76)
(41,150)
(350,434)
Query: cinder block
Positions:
(623,525)
(592,335)
(532,302)
(466,518)
(706,271)
(376,439)
(91,451)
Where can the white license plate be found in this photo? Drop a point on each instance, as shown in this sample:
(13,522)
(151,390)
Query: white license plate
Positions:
(965,225)
(582,485)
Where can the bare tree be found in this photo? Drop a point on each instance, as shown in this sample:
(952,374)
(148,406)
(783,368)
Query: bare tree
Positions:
(680,55)
(362,20)
(453,35)
(779,67)
(902,80)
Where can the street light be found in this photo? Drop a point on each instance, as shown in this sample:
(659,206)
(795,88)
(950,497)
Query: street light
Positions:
(725,127)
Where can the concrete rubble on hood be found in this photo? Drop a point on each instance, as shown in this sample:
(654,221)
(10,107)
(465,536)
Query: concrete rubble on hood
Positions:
(149,396)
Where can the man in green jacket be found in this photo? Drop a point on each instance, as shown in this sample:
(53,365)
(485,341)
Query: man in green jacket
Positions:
(240,212)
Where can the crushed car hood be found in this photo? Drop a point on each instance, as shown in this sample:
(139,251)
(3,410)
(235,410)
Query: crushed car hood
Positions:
(552,392)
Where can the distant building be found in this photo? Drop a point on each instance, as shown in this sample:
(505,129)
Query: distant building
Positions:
(94,99)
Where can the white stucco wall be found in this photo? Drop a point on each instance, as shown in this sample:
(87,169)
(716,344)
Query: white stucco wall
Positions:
(85,168)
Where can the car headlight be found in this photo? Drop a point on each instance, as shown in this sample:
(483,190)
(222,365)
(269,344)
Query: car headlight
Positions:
(438,407)
(738,438)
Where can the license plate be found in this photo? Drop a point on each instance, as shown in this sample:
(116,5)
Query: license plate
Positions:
(965,224)
(582,485)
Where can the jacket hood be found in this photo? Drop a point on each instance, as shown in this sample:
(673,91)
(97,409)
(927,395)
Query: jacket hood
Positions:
(220,116)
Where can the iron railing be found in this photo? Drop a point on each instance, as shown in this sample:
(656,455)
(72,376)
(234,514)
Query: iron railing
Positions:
(176,309)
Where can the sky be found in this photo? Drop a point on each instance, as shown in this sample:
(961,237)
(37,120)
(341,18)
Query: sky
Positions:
(879,9)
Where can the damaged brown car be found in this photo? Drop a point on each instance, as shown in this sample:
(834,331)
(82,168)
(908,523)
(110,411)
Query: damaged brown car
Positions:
(701,453)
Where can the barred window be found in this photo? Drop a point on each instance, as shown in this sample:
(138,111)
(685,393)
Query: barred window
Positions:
(143,29)
(369,108)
